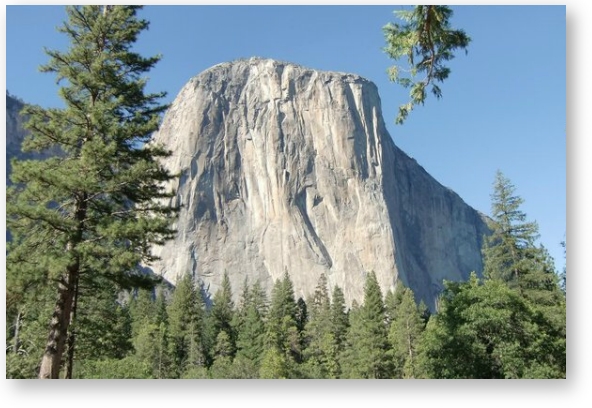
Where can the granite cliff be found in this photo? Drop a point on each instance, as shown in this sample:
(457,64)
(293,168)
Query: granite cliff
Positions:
(284,168)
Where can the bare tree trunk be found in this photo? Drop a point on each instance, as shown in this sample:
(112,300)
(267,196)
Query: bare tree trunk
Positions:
(17,327)
(62,312)
(72,334)
(58,331)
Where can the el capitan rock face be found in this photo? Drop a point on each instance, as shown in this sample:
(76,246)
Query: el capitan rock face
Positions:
(284,168)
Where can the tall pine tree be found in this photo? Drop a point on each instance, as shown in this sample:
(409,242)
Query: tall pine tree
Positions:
(367,338)
(221,315)
(282,326)
(250,331)
(511,257)
(321,347)
(508,252)
(97,208)
(186,322)
(405,334)
(339,317)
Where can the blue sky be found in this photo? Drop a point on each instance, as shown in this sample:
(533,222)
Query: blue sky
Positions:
(503,107)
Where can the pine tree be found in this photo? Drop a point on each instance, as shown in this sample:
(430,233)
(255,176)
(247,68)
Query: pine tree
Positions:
(282,332)
(392,300)
(103,326)
(375,327)
(251,335)
(282,313)
(158,312)
(222,313)
(508,252)
(367,338)
(405,334)
(163,360)
(151,334)
(96,208)
(142,308)
(26,332)
(186,318)
(223,351)
(427,41)
(339,317)
(321,347)
(349,359)
(511,325)
(488,330)
(274,365)
(511,256)
(250,328)
(563,275)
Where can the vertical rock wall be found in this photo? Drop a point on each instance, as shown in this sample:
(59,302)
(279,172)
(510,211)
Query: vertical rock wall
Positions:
(284,168)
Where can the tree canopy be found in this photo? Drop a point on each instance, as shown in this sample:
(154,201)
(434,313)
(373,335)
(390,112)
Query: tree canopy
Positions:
(426,40)
(90,214)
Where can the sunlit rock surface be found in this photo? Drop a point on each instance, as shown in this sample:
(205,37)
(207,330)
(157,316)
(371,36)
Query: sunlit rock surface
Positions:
(285,168)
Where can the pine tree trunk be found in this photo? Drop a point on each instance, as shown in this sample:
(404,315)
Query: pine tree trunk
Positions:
(62,313)
(17,327)
(58,330)
(72,335)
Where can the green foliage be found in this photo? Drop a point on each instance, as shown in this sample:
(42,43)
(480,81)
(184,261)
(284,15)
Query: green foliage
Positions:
(186,319)
(159,312)
(26,333)
(196,372)
(244,368)
(110,217)
(70,231)
(151,334)
(221,315)
(488,330)
(274,365)
(513,325)
(405,334)
(339,317)
(142,309)
(563,275)
(103,325)
(483,330)
(282,330)
(222,366)
(427,41)
(151,347)
(301,314)
(367,344)
(350,359)
(126,368)
(510,255)
(250,326)
(223,347)
(321,348)
(509,251)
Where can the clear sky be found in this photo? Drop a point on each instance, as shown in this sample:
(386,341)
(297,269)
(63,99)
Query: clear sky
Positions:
(503,107)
